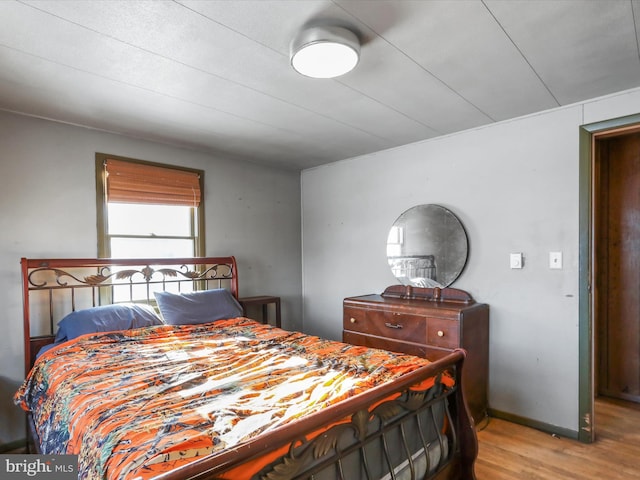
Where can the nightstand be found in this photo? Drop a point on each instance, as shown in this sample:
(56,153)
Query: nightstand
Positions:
(264,301)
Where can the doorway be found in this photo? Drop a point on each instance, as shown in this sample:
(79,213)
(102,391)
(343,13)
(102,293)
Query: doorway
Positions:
(616,264)
(609,214)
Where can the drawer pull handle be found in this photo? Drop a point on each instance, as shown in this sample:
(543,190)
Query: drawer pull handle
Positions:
(393,325)
(352,320)
(440,333)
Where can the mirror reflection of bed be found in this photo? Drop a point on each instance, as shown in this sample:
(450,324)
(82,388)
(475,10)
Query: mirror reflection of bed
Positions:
(418,270)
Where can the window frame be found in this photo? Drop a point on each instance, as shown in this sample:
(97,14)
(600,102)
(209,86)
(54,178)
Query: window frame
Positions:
(104,244)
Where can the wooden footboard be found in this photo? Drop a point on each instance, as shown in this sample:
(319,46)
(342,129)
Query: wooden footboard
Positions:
(415,436)
(371,436)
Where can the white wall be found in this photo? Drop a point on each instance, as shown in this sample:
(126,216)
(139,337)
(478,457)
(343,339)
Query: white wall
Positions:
(514,185)
(48,209)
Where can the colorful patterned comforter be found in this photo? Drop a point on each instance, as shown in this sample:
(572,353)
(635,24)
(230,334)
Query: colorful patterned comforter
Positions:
(134,403)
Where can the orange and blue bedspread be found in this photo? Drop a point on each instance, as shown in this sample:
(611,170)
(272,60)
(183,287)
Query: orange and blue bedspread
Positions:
(138,402)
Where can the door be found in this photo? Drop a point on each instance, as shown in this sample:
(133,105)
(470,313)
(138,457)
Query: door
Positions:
(617,265)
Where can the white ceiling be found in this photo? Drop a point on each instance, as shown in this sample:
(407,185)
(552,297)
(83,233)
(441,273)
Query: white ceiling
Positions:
(215,75)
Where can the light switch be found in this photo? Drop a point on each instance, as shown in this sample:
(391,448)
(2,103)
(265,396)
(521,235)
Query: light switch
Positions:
(515,260)
(555,260)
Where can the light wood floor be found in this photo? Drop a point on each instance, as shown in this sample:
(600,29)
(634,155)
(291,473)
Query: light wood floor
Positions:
(510,451)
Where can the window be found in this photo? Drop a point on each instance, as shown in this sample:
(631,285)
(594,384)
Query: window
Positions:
(395,240)
(148,210)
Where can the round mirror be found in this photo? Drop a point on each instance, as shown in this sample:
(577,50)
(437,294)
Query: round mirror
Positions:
(427,247)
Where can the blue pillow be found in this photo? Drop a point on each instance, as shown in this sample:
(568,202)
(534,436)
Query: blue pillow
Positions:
(106,318)
(203,306)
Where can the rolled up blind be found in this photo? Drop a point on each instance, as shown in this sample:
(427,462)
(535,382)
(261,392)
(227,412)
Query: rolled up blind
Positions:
(132,182)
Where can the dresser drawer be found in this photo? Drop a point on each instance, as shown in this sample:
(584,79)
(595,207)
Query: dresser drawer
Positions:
(370,341)
(384,343)
(397,326)
(355,319)
(443,333)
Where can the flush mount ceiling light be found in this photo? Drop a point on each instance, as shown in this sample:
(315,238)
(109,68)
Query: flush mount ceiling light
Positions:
(325,52)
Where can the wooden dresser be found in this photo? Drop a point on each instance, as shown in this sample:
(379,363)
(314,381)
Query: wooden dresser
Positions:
(427,322)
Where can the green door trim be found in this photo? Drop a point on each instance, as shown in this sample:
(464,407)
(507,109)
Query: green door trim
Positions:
(586,372)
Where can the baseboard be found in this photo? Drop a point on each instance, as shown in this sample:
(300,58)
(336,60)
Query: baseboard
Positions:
(528,422)
(13,446)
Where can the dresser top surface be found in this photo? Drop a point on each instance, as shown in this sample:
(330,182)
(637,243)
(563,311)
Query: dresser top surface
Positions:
(379,301)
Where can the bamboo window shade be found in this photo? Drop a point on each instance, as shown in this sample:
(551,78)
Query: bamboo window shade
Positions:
(131,182)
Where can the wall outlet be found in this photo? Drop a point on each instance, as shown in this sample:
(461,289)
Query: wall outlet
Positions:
(515,260)
(555,260)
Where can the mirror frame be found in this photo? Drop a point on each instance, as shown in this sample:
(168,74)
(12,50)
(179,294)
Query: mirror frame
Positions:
(427,246)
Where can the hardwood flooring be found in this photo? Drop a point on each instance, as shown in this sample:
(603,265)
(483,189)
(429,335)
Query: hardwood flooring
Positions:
(509,451)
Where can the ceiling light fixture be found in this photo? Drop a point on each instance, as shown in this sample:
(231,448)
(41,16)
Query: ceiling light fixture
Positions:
(325,52)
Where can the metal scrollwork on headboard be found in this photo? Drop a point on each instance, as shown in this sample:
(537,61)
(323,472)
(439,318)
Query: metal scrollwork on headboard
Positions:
(52,288)
(105,275)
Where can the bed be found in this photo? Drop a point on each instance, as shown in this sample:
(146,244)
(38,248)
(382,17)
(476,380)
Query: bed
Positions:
(205,392)
(415,270)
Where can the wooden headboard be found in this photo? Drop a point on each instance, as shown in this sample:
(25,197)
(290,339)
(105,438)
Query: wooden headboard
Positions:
(53,288)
